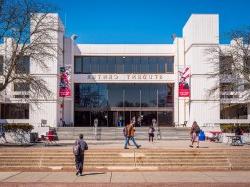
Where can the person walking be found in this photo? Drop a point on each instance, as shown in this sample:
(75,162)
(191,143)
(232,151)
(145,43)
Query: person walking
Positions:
(78,150)
(194,133)
(125,134)
(130,136)
(238,132)
(151,133)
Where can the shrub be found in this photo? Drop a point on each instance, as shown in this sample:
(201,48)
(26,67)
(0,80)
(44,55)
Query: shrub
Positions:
(230,127)
(19,131)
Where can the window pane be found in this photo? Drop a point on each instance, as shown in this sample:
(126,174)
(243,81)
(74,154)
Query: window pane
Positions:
(233,111)
(132,95)
(119,64)
(94,64)
(15,111)
(103,64)
(170,64)
(144,64)
(226,64)
(152,61)
(21,87)
(78,65)
(148,95)
(137,64)
(86,65)
(161,65)
(111,64)
(115,95)
(128,64)
(1,65)
(23,65)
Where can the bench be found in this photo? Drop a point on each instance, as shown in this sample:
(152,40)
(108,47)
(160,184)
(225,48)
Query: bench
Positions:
(235,140)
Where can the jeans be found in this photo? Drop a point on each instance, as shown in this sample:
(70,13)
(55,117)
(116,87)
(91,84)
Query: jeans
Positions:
(133,140)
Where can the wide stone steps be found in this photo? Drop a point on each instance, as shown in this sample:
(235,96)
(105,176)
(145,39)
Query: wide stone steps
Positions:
(118,159)
(116,133)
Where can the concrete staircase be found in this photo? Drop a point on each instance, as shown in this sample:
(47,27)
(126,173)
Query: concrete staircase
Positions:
(61,159)
(116,133)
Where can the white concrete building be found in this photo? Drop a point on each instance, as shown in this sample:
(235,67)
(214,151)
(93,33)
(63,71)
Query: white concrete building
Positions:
(115,83)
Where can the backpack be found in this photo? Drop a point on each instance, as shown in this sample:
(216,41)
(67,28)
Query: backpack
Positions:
(125,131)
(77,149)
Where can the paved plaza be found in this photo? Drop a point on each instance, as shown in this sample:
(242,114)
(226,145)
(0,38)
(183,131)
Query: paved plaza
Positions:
(237,178)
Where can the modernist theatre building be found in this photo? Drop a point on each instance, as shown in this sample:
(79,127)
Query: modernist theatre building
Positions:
(115,83)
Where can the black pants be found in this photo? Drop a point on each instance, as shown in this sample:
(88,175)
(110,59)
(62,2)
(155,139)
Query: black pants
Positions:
(151,137)
(79,163)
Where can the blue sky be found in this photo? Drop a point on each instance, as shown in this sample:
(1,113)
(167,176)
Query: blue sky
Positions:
(144,21)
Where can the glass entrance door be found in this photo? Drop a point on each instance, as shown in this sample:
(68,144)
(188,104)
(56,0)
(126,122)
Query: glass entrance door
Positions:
(102,118)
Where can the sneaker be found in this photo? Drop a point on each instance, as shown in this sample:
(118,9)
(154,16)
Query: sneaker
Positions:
(138,146)
(77,173)
(197,146)
(191,146)
(125,147)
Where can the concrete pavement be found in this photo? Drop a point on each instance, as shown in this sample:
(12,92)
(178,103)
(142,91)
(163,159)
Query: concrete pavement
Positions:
(229,178)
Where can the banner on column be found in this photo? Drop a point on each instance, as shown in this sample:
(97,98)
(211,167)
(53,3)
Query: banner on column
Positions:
(184,82)
(65,80)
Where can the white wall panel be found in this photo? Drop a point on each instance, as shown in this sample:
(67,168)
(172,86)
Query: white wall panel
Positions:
(201,29)
(122,49)
(204,112)
(200,87)
(45,110)
(199,59)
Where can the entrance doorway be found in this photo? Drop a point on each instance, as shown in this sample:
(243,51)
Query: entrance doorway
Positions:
(121,118)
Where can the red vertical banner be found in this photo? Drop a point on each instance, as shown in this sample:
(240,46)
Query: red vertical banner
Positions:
(65,76)
(184,82)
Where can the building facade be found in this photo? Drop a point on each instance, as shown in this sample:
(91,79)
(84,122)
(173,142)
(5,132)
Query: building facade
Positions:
(115,83)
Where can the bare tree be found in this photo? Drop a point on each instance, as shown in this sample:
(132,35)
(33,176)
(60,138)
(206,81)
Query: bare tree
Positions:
(232,64)
(27,27)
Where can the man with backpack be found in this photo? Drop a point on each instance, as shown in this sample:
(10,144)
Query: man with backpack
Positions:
(78,150)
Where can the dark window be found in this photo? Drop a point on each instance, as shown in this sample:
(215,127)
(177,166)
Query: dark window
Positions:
(233,111)
(111,64)
(228,87)
(115,95)
(226,63)
(95,64)
(144,64)
(15,111)
(148,95)
(123,95)
(78,65)
(170,64)
(103,64)
(1,65)
(119,64)
(136,64)
(21,87)
(23,65)
(152,63)
(86,65)
(90,95)
(132,95)
(162,66)
(126,64)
